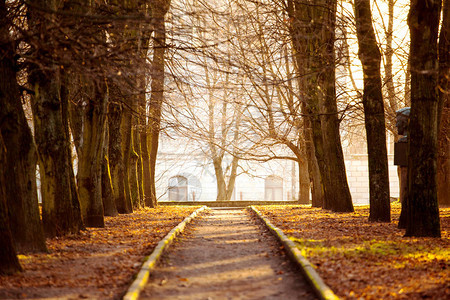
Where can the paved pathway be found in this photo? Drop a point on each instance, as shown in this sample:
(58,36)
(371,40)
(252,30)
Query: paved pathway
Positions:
(226,254)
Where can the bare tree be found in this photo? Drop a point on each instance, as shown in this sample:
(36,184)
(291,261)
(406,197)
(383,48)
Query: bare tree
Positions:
(423,211)
(370,57)
(19,161)
(313,43)
(9,264)
(61,207)
(443,171)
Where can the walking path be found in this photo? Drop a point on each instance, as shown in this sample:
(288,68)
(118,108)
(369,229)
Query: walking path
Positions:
(226,254)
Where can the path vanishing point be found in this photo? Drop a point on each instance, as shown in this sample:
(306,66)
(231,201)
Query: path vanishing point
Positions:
(226,254)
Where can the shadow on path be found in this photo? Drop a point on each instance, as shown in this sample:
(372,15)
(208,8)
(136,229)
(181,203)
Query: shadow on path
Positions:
(226,254)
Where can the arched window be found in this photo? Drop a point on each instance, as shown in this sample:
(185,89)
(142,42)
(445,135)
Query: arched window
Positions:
(184,187)
(273,188)
(178,188)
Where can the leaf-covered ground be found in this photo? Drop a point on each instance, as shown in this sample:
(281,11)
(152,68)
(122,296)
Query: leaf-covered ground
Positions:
(363,260)
(98,264)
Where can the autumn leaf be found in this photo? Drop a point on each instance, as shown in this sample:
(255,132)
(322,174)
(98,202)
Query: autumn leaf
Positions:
(98,263)
(360,259)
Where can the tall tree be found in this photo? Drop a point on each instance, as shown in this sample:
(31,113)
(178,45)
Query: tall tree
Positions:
(88,117)
(423,210)
(370,57)
(313,166)
(443,172)
(218,148)
(122,91)
(9,264)
(61,209)
(109,205)
(135,157)
(313,36)
(159,9)
(325,65)
(115,154)
(19,166)
(90,152)
(142,81)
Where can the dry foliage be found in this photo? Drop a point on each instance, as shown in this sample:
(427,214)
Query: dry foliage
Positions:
(363,260)
(98,264)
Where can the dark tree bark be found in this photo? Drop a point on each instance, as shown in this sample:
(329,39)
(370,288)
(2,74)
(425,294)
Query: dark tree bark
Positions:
(370,57)
(443,171)
(88,118)
(19,168)
(109,205)
(90,155)
(61,210)
(9,264)
(115,154)
(423,210)
(300,14)
(403,173)
(313,167)
(125,129)
(392,103)
(122,93)
(159,10)
(144,136)
(325,65)
(146,174)
(303,179)
(313,37)
(135,150)
(135,157)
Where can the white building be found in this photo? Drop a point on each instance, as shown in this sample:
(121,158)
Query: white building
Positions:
(186,174)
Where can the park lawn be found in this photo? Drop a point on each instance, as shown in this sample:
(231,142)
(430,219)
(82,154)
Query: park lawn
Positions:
(97,264)
(362,260)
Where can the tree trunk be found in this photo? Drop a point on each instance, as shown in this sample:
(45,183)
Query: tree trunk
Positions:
(76,208)
(19,168)
(139,169)
(313,167)
(144,124)
(303,182)
(220,179)
(370,57)
(408,83)
(109,205)
(115,151)
(146,174)
(88,118)
(9,264)
(134,160)
(157,95)
(300,13)
(339,197)
(125,129)
(423,210)
(389,75)
(312,33)
(233,172)
(90,157)
(61,210)
(403,191)
(443,171)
